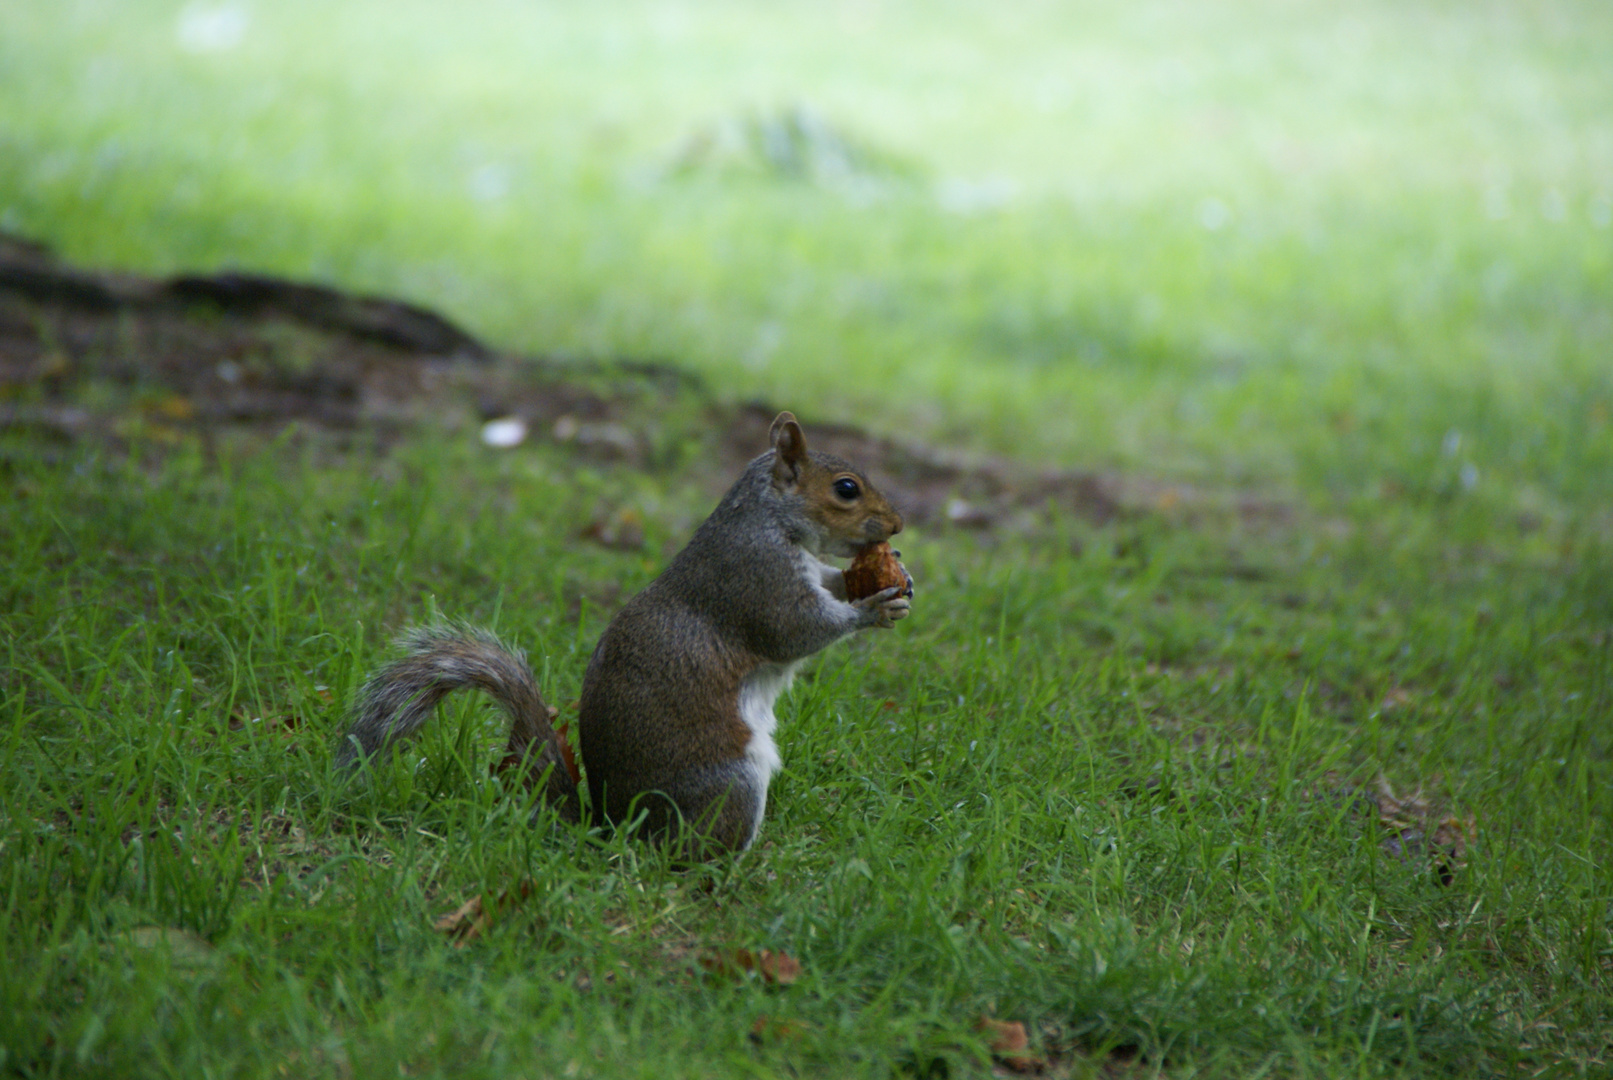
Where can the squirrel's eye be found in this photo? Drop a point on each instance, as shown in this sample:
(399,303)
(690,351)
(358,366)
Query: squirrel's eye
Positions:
(847,488)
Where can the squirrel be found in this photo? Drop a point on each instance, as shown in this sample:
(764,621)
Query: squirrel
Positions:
(676,715)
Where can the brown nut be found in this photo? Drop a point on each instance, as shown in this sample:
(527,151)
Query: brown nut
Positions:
(875,568)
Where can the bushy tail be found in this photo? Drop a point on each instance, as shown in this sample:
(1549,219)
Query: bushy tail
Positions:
(436,660)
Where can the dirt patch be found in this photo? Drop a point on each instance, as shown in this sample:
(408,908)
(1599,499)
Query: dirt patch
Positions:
(89,354)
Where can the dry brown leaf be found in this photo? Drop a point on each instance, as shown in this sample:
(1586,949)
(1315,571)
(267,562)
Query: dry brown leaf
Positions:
(466,924)
(775,968)
(1009,1045)
(562,729)
(778,969)
(1453,834)
(473,917)
(1003,1036)
(773,1029)
(1416,823)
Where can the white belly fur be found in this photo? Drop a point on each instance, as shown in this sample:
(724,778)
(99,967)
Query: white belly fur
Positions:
(757,693)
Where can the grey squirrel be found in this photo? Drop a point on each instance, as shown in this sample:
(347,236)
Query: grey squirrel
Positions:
(676,716)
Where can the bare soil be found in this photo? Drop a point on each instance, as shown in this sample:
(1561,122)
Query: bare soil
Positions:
(88,354)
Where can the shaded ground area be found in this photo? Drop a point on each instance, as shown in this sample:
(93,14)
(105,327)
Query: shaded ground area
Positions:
(92,354)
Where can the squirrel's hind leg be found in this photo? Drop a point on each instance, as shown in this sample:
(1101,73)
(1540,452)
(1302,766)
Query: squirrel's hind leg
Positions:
(709,812)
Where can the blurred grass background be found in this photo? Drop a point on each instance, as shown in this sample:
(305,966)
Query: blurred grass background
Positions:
(1363,252)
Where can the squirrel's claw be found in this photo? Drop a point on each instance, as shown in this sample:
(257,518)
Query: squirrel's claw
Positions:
(886,606)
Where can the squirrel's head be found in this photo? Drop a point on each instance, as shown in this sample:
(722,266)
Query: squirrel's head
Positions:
(845,509)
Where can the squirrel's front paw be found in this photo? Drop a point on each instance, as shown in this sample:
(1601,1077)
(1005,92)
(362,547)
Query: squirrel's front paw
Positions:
(884,607)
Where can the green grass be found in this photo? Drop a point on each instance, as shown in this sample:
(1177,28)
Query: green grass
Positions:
(1112,794)
(1107,781)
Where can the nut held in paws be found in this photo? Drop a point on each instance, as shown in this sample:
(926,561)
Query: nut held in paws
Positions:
(874,568)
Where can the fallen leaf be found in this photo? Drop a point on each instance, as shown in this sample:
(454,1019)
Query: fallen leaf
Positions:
(1416,824)
(1008,1043)
(466,924)
(562,728)
(772,1029)
(473,917)
(779,969)
(1003,1036)
(775,968)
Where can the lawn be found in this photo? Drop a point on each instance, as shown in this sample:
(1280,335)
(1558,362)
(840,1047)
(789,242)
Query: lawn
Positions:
(1298,767)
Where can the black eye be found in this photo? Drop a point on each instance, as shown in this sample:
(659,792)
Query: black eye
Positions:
(847,488)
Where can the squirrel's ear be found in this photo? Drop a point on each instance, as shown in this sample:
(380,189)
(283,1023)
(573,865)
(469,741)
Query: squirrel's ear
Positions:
(789,447)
